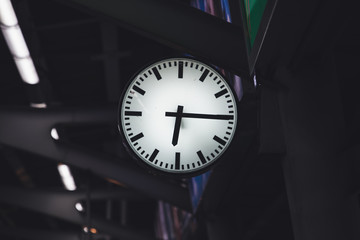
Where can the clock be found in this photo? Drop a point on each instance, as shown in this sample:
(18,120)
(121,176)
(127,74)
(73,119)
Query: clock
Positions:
(177,116)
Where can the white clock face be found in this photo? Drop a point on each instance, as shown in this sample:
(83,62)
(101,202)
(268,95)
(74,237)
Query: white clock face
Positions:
(178,115)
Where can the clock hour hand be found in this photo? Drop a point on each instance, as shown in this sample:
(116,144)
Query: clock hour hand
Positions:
(200,115)
(178,116)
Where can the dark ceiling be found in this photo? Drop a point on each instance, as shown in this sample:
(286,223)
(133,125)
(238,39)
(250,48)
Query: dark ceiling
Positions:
(84,59)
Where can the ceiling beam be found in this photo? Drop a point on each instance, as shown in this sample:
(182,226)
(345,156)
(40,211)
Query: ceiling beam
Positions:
(36,234)
(29,130)
(179,26)
(61,205)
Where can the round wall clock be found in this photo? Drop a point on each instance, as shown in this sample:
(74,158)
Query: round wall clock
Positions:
(177,116)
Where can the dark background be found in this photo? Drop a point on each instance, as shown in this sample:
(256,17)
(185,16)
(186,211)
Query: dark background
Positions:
(291,173)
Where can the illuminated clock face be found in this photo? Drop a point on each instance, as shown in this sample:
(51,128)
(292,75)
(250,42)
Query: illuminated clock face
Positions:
(178,116)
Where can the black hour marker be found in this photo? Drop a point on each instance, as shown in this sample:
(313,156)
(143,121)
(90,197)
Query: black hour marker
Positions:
(153,155)
(219,140)
(204,75)
(193,165)
(139,90)
(177,160)
(180,69)
(133,113)
(222,92)
(136,137)
(201,156)
(156,72)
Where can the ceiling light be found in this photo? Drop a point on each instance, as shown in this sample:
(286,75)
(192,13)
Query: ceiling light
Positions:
(15,41)
(79,207)
(27,70)
(66,177)
(7,14)
(38,105)
(54,134)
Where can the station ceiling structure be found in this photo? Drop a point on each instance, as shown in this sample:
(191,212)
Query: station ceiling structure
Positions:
(291,173)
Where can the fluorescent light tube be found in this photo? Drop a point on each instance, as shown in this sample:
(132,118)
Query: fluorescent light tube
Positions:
(27,70)
(7,14)
(38,105)
(54,134)
(15,41)
(79,207)
(66,177)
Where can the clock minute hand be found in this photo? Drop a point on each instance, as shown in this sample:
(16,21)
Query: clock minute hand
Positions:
(200,115)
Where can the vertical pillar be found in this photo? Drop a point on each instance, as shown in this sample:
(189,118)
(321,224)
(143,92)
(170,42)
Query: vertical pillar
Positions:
(317,173)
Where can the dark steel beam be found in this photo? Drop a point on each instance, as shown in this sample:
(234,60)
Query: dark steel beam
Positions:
(179,26)
(36,234)
(296,54)
(29,130)
(299,32)
(61,205)
(319,180)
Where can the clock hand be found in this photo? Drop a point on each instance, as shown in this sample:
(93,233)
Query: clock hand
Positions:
(200,115)
(178,116)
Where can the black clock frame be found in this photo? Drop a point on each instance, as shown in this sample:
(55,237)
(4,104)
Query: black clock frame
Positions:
(140,161)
